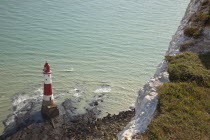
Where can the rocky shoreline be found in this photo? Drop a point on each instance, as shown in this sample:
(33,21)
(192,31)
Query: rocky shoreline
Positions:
(26,120)
(105,128)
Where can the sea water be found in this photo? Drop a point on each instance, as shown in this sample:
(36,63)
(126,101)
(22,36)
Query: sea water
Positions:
(106,48)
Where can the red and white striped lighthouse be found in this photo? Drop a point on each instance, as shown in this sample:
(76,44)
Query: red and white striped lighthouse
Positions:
(48,95)
(49,108)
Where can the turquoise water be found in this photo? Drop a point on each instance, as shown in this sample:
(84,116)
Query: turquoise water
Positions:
(89,45)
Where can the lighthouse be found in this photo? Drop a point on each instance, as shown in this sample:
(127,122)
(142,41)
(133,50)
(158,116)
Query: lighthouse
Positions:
(49,108)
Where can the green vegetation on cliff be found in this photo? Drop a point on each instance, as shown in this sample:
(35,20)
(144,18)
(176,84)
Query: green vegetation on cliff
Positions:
(192,31)
(184,103)
(189,67)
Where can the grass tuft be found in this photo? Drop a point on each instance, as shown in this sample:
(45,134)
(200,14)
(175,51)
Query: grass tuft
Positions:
(189,67)
(192,31)
(203,17)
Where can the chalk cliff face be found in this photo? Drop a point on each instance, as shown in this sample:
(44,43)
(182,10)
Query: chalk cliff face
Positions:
(148,97)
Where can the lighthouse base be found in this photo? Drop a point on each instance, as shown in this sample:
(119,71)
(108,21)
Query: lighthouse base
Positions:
(49,109)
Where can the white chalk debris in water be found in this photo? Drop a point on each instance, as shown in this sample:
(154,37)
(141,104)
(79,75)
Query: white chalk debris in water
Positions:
(103,89)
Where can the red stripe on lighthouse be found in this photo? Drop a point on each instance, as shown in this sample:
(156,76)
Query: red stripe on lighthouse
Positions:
(47,89)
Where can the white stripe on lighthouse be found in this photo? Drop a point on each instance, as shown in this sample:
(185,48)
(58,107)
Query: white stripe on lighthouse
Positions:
(47,79)
(48,97)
